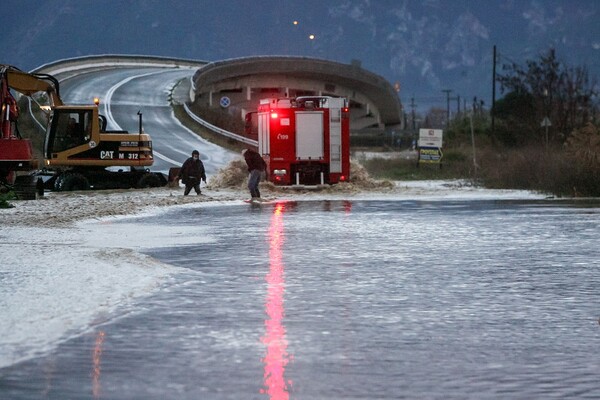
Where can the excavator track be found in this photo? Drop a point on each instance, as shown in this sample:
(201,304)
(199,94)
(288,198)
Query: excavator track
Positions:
(27,187)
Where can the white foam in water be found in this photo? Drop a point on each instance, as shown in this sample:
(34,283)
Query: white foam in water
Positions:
(60,281)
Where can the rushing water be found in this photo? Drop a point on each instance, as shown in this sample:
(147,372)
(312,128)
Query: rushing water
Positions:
(350,300)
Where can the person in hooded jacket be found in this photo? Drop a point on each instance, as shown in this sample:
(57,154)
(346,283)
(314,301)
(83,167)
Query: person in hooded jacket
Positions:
(191,173)
(256,166)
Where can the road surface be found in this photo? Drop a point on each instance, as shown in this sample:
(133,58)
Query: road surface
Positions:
(124,92)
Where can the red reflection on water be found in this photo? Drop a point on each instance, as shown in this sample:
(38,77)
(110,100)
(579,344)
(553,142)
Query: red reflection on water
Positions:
(96,358)
(277,357)
(347,206)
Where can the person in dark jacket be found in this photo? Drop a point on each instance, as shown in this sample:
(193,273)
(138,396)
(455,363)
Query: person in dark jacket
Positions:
(256,166)
(192,171)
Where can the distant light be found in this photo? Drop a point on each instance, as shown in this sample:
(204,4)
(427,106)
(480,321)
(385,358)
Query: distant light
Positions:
(295,22)
(96,100)
(311,37)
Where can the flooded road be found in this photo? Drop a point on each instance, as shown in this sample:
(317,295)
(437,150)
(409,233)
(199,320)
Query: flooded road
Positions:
(349,300)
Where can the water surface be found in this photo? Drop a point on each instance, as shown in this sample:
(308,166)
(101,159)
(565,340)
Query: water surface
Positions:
(350,300)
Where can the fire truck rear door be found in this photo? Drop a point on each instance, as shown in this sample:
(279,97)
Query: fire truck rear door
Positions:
(309,135)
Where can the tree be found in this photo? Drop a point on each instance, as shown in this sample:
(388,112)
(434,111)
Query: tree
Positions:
(516,115)
(584,144)
(550,89)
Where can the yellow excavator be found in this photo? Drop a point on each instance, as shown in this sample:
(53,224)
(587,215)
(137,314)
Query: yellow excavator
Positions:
(78,149)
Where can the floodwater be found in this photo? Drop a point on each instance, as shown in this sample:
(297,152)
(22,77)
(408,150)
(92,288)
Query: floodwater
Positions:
(350,300)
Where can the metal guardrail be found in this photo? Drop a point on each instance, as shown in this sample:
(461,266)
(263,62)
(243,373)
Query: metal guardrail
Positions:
(218,130)
(108,60)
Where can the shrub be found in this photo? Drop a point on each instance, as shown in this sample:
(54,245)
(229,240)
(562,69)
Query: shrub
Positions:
(553,171)
(5,197)
(456,164)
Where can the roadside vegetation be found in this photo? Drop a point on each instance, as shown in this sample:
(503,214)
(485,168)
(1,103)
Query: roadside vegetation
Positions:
(562,159)
(456,165)
(568,169)
(5,196)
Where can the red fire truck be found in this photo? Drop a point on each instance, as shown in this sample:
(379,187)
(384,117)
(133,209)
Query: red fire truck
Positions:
(305,141)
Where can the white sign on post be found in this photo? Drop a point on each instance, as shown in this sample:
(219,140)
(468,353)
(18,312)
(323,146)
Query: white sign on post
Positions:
(546,122)
(430,138)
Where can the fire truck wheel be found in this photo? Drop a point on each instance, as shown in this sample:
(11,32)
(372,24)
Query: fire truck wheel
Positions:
(149,181)
(71,182)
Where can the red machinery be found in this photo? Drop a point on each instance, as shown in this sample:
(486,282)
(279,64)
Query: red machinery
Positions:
(16,153)
(305,141)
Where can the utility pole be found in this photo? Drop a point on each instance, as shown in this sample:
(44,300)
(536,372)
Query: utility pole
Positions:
(475,166)
(447,91)
(492,111)
(413,106)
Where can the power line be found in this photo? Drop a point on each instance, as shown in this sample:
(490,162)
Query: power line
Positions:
(500,55)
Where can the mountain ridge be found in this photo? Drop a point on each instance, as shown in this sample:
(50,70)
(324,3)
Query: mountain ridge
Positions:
(425,47)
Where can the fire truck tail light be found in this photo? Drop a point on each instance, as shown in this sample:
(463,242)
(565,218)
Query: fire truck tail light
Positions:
(345,109)
(274,115)
(342,178)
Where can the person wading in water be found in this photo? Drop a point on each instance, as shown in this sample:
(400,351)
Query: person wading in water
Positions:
(192,171)
(256,166)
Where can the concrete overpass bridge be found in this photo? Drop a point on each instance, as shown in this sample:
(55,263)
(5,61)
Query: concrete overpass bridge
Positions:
(237,85)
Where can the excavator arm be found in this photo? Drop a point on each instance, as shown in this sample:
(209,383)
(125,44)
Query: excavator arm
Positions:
(30,83)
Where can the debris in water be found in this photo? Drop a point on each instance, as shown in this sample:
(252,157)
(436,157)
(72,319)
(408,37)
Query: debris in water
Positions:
(235,176)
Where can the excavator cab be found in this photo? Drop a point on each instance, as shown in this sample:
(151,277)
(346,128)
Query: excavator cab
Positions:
(68,129)
(76,137)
